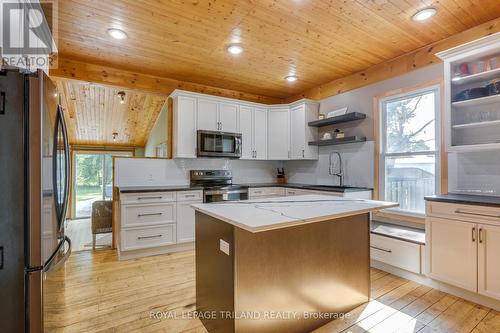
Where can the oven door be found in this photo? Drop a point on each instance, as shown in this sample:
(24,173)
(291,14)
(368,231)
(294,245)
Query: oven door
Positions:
(219,144)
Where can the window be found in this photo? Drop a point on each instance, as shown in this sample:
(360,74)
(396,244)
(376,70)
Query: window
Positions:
(409,152)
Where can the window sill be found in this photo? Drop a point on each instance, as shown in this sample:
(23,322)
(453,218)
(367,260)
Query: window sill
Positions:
(399,215)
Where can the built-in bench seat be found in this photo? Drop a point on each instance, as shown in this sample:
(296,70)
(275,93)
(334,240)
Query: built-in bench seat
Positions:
(399,246)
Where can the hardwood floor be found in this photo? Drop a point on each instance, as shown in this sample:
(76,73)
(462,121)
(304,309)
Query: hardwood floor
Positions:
(96,293)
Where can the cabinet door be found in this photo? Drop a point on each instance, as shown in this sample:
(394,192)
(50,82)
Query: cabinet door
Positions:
(298,132)
(278,134)
(228,117)
(185,221)
(184,127)
(246,130)
(452,247)
(489,261)
(260,133)
(207,115)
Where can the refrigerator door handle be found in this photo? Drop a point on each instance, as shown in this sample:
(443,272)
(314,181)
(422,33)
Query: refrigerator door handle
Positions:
(53,264)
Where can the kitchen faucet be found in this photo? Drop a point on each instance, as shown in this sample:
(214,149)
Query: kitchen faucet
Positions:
(331,169)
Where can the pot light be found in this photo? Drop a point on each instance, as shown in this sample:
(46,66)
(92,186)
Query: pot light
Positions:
(117,34)
(291,78)
(424,14)
(234,49)
(115,135)
(121,94)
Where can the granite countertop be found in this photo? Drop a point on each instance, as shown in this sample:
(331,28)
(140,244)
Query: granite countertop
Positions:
(326,188)
(168,188)
(275,213)
(467,199)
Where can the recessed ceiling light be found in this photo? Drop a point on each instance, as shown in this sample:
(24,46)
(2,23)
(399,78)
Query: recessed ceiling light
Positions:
(121,95)
(117,34)
(234,49)
(424,14)
(291,78)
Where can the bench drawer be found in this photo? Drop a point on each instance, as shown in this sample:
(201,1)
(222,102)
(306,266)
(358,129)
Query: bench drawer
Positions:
(151,214)
(395,252)
(148,197)
(133,239)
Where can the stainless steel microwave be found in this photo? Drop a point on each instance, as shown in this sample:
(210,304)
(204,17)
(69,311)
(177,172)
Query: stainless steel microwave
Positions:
(219,144)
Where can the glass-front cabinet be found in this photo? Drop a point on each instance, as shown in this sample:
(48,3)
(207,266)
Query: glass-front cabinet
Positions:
(472,95)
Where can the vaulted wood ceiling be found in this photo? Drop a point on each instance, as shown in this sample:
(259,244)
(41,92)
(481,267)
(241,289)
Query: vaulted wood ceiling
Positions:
(319,40)
(93,113)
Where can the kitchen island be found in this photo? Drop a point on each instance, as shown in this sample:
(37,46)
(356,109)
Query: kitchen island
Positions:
(288,264)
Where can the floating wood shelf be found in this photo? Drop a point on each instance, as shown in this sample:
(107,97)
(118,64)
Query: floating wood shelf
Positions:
(352,116)
(333,142)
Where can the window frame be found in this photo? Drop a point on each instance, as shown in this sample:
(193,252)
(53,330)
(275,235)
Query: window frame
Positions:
(383,154)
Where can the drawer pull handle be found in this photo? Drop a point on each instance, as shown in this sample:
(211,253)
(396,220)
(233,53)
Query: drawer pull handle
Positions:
(148,237)
(257,192)
(381,249)
(190,195)
(150,214)
(149,198)
(458,211)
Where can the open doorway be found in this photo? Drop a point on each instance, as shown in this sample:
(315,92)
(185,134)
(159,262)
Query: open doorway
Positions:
(92,181)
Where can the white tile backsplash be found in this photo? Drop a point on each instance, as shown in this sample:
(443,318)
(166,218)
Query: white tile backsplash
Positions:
(358,161)
(159,172)
(474,173)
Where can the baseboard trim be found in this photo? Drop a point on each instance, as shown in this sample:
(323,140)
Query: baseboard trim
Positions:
(134,254)
(424,280)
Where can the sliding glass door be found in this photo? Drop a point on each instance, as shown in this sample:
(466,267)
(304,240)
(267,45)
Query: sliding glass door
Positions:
(93,180)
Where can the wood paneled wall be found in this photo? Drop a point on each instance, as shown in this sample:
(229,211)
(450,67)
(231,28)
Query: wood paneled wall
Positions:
(419,58)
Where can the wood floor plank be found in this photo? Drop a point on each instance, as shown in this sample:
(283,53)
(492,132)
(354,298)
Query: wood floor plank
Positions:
(95,292)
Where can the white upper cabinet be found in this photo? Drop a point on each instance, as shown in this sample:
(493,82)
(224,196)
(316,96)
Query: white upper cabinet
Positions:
(472,109)
(301,133)
(228,117)
(216,116)
(278,133)
(253,128)
(260,133)
(184,127)
(246,129)
(208,115)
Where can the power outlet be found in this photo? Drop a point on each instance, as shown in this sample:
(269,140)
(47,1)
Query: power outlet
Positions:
(224,246)
(150,177)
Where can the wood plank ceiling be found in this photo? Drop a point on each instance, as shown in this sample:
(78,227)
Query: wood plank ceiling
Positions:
(318,40)
(93,113)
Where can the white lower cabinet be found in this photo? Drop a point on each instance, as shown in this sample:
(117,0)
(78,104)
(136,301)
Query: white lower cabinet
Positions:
(149,221)
(453,254)
(463,246)
(489,261)
(265,192)
(185,221)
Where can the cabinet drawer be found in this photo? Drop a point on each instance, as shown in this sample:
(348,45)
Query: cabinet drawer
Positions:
(259,192)
(190,196)
(149,197)
(469,213)
(395,252)
(143,215)
(133,239)
(294,191)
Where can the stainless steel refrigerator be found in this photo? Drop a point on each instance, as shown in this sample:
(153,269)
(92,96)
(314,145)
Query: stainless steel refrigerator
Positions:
(34,190)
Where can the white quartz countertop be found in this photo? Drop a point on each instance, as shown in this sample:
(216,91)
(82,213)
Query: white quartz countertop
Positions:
(273,213)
